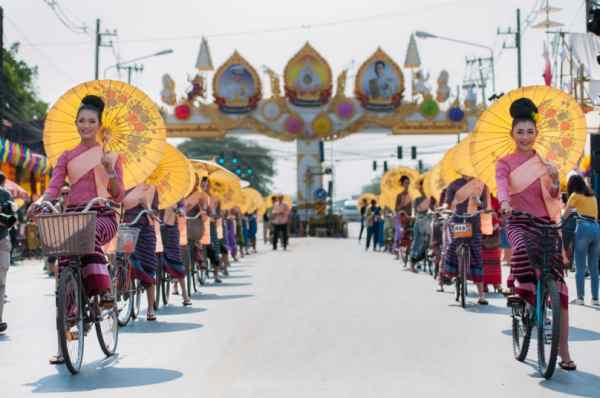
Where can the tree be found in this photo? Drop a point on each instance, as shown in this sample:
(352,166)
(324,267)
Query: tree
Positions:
(373,187)
(249,155)
(19,100)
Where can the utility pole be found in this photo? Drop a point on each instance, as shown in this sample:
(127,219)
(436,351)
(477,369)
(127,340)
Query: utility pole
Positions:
(516,45)
(130,70)
(480,78)
(100,43)
(2,90)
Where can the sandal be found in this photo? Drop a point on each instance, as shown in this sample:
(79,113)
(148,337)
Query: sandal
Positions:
(151,317)
(482,301)
(187,302)
(56,360)
(569,365)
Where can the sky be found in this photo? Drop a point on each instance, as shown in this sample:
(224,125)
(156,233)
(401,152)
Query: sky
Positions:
(269,33)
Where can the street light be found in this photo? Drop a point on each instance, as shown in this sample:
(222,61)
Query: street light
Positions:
(426,35)
(158,54)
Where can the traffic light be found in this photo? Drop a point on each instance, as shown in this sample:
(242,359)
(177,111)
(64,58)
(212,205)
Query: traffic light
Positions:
(413,152)
(249,171)
(221,159)
(385,166)
(238,171)
(420,166)
(374,165)
(322,151)
(234,159)
(400,154)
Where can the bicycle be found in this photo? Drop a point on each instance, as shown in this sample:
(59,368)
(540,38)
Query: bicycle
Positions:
(195,229)
(463,231)
(72,235)
(545,315)
(129,290)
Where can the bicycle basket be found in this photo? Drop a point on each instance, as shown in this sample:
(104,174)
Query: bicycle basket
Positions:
(195,229)
(68,234)
(127,238)
(461,230)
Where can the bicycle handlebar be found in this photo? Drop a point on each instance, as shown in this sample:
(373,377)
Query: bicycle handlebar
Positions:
(148,212)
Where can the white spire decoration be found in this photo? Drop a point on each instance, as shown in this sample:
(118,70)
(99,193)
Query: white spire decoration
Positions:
(412,54)
(204,60)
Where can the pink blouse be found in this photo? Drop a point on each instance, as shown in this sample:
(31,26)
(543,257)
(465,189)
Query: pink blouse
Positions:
(83,190)
(531,199)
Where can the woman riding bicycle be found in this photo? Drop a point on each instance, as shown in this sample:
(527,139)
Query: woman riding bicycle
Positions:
(528,183)
(421,228)
(92,172)
(172,249)
(144,259)
(464,196)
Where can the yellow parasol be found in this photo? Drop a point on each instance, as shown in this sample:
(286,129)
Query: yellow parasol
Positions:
(269,200)
(172,177)
(253,200)
(434,182)
(390,182)
(226,187)
(562,131)
(136,129)
(366,198)
(457,162)
(387,199)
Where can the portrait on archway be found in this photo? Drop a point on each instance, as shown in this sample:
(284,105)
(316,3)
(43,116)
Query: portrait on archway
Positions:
(380,83)
(236,86)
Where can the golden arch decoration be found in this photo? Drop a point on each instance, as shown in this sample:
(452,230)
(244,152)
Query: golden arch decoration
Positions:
(379,84)
(308,78)
(236,86)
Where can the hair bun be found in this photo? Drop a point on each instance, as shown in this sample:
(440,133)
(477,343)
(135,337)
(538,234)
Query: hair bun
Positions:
(523,108)
(93,101)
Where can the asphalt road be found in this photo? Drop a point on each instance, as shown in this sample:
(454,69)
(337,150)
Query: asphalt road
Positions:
(324,319)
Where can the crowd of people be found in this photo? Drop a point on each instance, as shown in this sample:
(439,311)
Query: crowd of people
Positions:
(418,230)
(196,229)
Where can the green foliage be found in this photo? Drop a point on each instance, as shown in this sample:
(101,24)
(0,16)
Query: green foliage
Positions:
(20,100)
(248,152)
(373,187)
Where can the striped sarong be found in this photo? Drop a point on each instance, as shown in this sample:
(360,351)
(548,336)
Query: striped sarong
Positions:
(451,259)
(143,259)
(524,240)
(230,237)
(96,279)
(492,272)
(172,251)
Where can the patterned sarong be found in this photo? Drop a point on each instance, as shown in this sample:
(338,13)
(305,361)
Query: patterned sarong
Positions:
(476,267)
(522,236)
(172,251)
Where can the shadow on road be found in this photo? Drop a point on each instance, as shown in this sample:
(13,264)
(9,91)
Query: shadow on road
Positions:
(100,375)
(159,327)
(238,276)
(578,383)
(575,334)
(4,337)
(173,310)
(212,296)
(231,284)
(488,309)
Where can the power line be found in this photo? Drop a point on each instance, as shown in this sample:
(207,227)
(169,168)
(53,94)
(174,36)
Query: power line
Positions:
(39,50)
(283,29)
(64,18)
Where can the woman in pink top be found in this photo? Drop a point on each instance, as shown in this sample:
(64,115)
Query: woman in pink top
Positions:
(91,173)
(528,183)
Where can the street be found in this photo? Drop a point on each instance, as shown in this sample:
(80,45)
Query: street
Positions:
(325,319)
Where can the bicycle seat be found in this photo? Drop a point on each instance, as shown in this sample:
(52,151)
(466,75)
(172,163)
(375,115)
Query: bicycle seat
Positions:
(514,301)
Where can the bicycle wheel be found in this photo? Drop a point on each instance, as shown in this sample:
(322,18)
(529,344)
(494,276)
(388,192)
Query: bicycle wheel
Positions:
(522,325)
(464,275)
(137,298)
(166,288)
(107,327)
(123,297)
(70,319)
(548,328)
